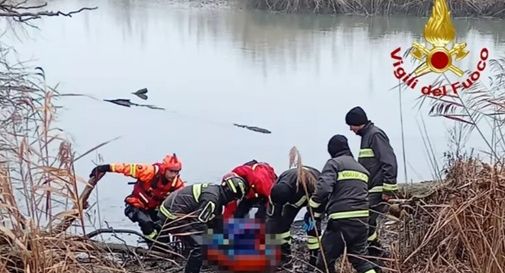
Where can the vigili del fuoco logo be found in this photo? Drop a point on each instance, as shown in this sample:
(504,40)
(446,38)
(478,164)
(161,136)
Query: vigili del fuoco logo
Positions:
(438,55)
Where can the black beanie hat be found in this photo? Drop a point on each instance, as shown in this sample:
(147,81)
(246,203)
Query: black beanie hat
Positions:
(356,116)
(337,144)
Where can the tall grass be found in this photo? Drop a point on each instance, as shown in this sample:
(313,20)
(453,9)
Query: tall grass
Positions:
(40,198)
(460,225)
(479,110)
(465,8)
(39,189)
(38,183)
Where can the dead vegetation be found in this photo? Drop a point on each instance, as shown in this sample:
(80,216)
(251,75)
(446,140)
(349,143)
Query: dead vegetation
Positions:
(37,179)
(459,226)
(40,193)
(24,11)
(41,196)
(459,8)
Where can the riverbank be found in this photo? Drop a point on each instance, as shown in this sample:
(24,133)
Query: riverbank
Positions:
(434,218)
(459,8)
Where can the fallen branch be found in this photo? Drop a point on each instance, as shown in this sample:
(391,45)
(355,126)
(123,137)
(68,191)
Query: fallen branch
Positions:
(132,250)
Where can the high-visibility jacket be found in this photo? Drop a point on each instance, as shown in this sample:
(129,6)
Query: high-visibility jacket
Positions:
(293,193)
(151,187)
(287,197)
(378,157)
(202,201)
(342,189)
(260,177)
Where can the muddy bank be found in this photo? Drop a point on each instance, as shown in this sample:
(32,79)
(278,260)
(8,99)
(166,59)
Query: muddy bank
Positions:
(388,229)
(299,251)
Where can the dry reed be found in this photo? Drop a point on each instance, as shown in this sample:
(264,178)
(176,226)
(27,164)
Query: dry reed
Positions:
(460,226)
(459,8)
(38,183)
(39,189)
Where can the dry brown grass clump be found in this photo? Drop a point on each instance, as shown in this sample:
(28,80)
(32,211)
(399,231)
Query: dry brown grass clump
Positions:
(460,227)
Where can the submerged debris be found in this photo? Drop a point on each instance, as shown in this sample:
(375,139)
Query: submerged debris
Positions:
(141,93)
(122,102)
(253,128)
(128,103)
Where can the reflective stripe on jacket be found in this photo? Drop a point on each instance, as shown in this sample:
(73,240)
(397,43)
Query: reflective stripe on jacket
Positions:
(151,187)
(378,157)
(297,196)
(191,200)
(342,189)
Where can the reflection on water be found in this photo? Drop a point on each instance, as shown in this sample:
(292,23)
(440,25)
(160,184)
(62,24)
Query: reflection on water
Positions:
(296,75)
(284,39)
(262,36)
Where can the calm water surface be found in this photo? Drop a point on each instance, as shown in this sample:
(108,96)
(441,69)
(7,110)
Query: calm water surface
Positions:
(296,75)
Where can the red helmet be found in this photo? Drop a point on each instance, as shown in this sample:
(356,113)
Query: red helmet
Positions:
(171,162)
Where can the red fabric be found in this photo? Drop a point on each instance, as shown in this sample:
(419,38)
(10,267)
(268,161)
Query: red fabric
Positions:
(240,263)
(230,209)
(260,177)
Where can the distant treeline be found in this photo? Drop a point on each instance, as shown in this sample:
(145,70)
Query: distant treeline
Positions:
(459,8)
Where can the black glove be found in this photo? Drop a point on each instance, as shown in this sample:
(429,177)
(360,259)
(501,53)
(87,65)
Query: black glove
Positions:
(99,169)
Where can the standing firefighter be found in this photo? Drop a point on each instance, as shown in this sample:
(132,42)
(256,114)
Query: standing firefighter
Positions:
(260,177)
(192,209)
(287,197)
(342,193)
(154,183)
(378,157)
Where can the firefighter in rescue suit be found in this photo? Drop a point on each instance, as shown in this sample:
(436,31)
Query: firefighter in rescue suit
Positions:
(378,157)
(287,197)
(154,183)
(342,193)
(193,209)
(260,177)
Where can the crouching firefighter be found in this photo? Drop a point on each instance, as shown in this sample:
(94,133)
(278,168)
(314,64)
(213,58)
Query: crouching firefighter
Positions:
(342,193)
(287,197)
(189,211)
(260,177)
(154,183)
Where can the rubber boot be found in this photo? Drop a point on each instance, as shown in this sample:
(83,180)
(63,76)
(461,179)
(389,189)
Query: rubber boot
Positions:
(313,258)
(151,238)
(195,261)
(376,251)
(286,259)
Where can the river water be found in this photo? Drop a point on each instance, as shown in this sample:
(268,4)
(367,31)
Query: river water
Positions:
(209,66)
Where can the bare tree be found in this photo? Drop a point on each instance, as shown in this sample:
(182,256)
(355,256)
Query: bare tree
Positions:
(24,11)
